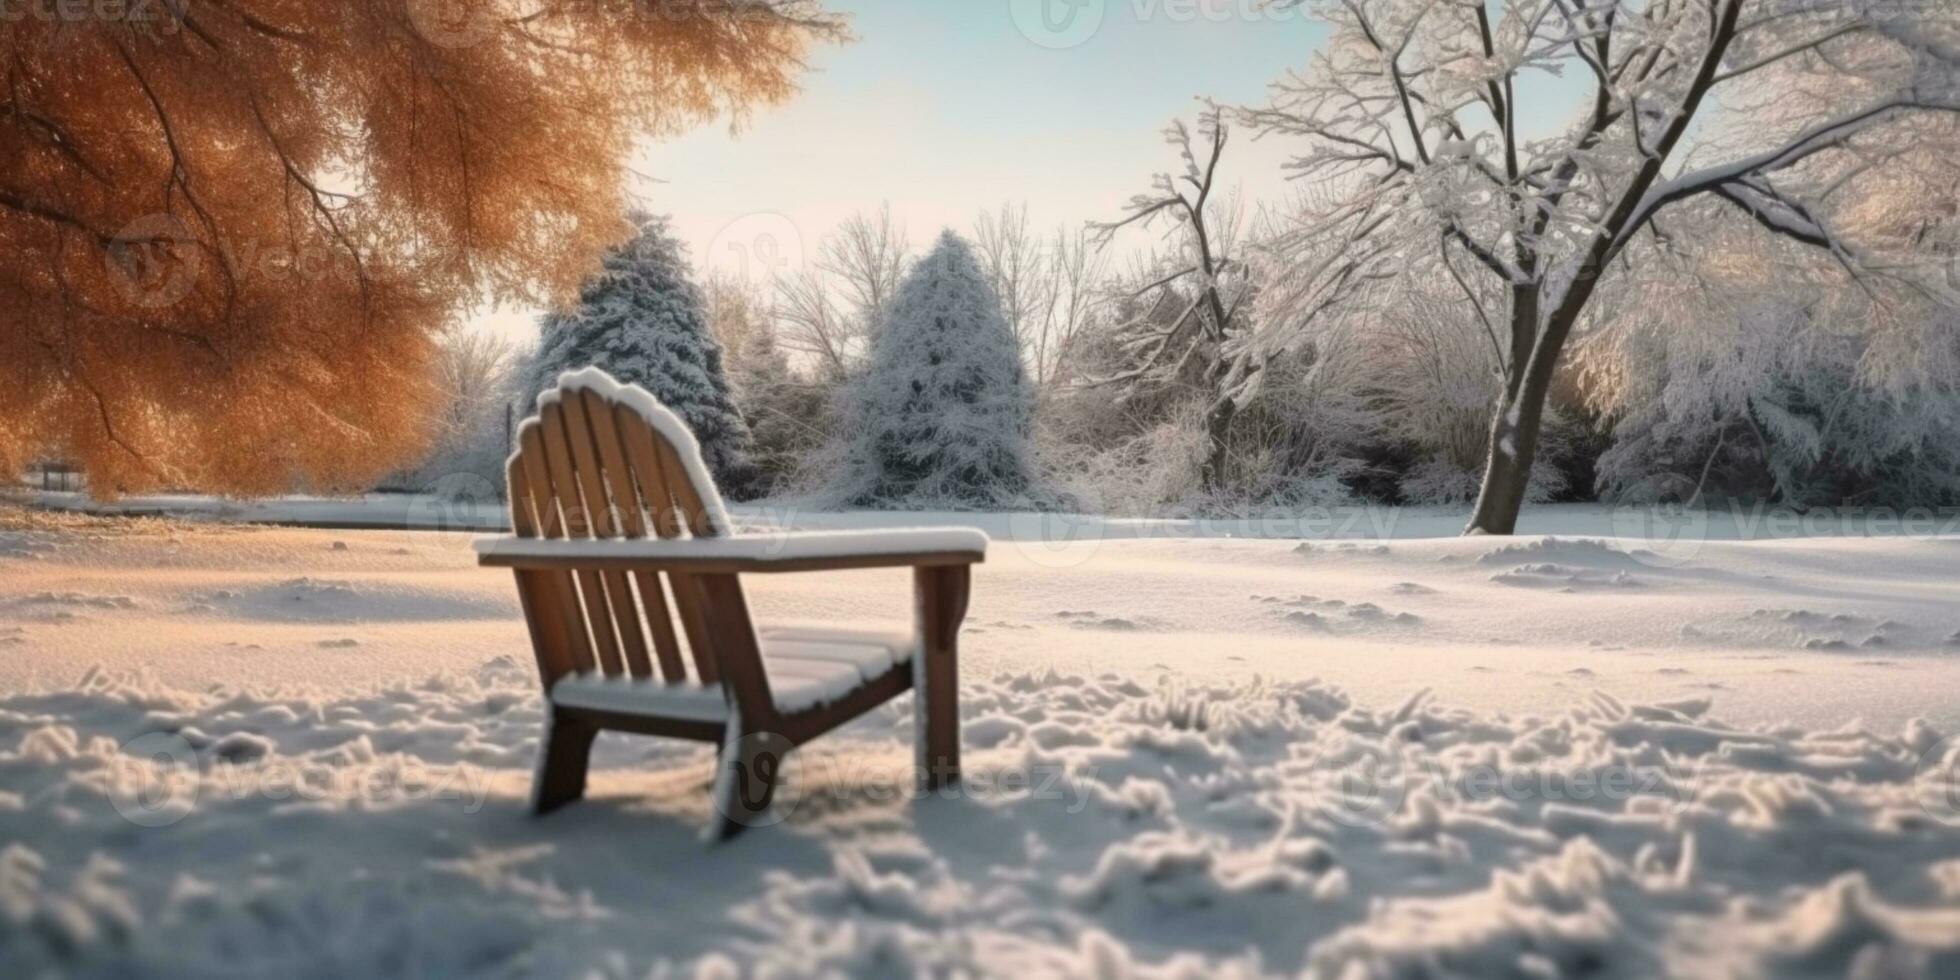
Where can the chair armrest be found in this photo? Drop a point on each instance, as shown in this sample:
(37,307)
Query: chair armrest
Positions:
(743,554)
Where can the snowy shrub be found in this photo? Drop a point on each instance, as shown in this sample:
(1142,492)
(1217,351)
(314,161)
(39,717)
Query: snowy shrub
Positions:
(643,320)
(1782,384)
(1136,441)
(941,415)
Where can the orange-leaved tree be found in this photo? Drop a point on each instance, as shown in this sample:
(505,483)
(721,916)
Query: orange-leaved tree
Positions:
(229,229)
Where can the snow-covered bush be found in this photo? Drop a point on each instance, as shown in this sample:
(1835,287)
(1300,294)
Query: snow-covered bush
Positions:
(1783,400)
(942,413)
(642,319)
(1781,380)
(1136,443)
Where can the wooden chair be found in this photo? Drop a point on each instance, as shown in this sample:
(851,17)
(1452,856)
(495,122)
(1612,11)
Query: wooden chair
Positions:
(619,530)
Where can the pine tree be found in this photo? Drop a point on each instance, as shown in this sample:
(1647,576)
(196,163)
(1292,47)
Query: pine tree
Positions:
(943,410)
(643,320)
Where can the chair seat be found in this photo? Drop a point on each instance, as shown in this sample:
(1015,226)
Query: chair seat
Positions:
(808,667)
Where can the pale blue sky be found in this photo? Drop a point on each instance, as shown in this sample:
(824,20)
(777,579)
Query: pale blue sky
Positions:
(944,108)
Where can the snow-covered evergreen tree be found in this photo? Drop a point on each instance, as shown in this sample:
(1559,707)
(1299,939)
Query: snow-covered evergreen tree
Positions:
(643,320)
(943,412)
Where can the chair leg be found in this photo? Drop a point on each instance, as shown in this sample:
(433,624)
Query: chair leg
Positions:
(562,763)
(942,599)
(748,769)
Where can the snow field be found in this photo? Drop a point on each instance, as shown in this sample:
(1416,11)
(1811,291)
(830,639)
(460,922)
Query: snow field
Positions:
(231,751)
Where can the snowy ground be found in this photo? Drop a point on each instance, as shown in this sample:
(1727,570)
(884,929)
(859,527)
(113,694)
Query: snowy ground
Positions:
(229,750)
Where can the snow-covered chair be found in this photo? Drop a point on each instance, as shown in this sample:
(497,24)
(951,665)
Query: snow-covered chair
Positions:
(609,497)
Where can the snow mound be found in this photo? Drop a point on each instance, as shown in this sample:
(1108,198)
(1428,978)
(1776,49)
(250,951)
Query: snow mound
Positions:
(1590,553)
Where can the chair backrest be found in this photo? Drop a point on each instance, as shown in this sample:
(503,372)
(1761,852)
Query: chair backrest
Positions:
(606,460)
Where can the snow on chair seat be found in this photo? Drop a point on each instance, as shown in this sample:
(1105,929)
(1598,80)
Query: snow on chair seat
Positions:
(630,574)
(807,668)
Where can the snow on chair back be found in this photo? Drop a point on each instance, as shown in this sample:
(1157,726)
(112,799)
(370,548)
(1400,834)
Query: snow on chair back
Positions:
(606,460)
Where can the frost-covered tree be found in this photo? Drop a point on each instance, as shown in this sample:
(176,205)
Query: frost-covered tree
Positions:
(475,383)
(643,320)
(828,311)
(1414,107)
(1191,350)
(942,413)
(1047,288)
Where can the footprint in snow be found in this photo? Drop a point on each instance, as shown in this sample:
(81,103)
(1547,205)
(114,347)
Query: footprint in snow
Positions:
(1411,588)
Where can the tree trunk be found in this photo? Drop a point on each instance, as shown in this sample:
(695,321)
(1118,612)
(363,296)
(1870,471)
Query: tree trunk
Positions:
(1218,428)
(1513,448)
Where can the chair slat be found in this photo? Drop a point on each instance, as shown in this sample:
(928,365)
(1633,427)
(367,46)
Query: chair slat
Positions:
(648,452)
(564,479)
(638,441)
(660,618)
(698,612)
(693,510)
(534,590)
(562,592)
(598,472)
(605,422)
(523,520)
